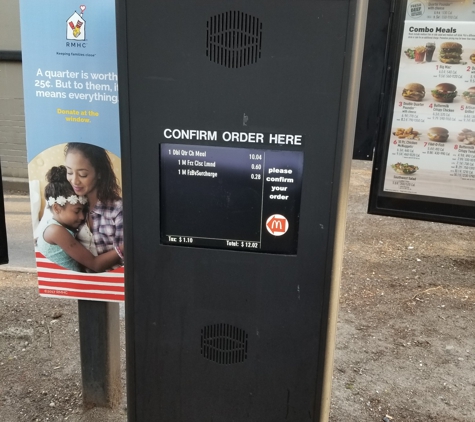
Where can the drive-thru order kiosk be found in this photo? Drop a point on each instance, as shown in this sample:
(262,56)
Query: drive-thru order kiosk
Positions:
(237,129)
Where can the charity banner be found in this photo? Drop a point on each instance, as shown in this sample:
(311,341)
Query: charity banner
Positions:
(73,147)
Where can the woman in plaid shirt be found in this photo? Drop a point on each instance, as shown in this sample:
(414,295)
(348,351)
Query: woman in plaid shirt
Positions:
(90,172)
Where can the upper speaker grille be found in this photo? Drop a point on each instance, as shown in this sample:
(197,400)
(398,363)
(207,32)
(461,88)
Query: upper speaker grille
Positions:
(234,39)
(224,344)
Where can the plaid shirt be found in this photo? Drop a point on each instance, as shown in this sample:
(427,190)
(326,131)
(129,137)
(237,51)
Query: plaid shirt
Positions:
(107,225)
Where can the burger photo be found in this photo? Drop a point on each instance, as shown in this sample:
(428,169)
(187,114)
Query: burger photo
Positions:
(414,92)
(472,58)
(444,93)
(450,52)
(469,95)
(438,134)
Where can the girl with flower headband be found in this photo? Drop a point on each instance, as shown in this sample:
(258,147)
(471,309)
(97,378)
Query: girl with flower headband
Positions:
(57,242)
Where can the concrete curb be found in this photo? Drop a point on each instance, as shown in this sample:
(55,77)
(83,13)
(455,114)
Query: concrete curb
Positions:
(11,269)
(16,183)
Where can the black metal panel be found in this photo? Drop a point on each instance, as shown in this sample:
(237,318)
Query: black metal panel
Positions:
(99,340)
(3,228)
(10,55)
(295,87)
(372,78)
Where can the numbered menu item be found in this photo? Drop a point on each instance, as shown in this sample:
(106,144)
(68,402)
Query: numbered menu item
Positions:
(230,197)
(439,10)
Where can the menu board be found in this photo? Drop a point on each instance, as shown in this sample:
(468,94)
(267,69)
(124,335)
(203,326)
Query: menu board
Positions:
(230,198)
(429,138)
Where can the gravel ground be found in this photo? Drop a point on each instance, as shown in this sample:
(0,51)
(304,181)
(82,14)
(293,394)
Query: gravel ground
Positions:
(405,341)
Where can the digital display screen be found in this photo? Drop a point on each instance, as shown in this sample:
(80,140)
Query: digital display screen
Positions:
(230,198)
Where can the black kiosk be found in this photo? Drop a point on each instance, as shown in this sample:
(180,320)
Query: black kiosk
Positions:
(237,124)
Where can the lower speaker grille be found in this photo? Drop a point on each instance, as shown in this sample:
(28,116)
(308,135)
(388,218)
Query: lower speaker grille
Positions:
(224,344)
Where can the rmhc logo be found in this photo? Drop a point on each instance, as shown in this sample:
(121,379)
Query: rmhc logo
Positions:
(76,29)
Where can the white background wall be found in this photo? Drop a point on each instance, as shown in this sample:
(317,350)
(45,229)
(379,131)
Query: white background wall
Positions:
(10,25)
(12,119)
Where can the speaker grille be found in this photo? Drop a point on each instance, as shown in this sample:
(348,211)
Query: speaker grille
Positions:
(234,39)
(224,344)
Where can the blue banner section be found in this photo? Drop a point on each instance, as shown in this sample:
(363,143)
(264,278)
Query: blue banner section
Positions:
(70,74)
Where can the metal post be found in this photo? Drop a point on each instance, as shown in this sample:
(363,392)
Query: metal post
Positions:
(99,331)
(3,227)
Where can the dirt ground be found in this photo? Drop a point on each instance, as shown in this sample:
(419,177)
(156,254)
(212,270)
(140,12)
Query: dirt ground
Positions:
(405,342)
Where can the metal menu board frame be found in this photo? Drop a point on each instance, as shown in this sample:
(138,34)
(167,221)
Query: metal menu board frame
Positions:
(424,163)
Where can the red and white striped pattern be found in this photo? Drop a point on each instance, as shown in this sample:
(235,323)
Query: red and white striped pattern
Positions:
(56,281)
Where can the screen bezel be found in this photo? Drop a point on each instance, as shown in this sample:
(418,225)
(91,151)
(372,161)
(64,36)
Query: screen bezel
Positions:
(292,249)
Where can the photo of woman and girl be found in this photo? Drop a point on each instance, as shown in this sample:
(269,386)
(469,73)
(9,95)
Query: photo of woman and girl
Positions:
(82,227)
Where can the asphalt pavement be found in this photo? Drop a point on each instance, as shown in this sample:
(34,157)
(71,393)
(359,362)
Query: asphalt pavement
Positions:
(21,250)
